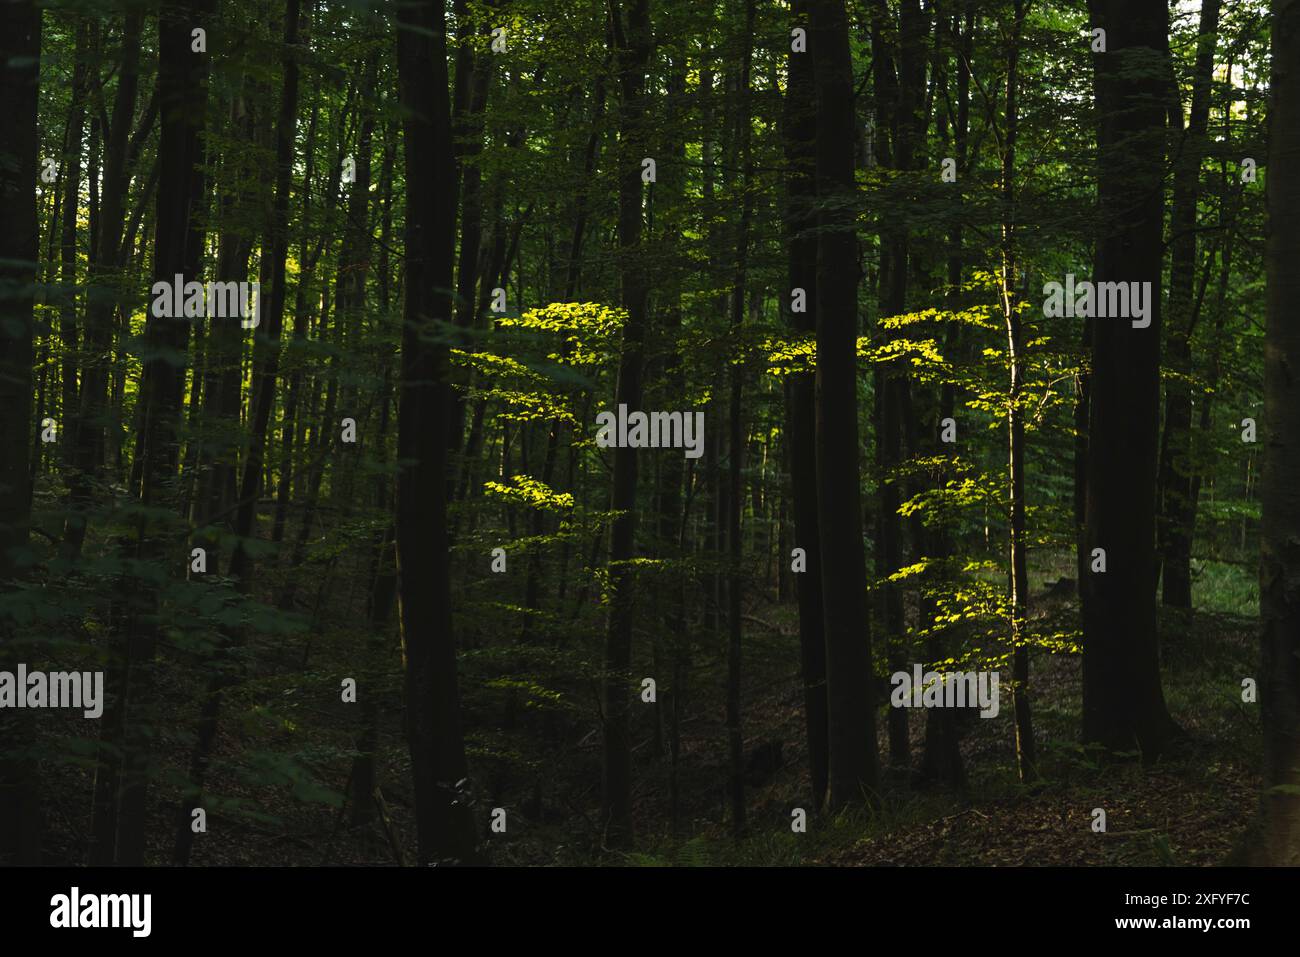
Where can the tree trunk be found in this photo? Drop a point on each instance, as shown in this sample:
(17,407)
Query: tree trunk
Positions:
(800,119)
(632,43)
(1176,521)
(1275,837)
(1025,759)
(735,485)
(266,361)
(942,757)
(382,580)
(20,54)
(444,824)
(103,292)
(853,768)
(178,243)
(293,353)
(473,75)
(68,232)
(1123,703)
(898,98)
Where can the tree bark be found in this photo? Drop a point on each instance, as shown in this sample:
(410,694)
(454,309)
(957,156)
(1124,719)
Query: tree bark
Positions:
(632,45)
(20,53)
(473,75)
(68,335)
(444,824)
(1025,756)
(1275,837)
(1123,703)
(1176,521)
(800,121)
(897,98)
(736,443)
(266,361)
(121,795)
(853,768)
(942,756)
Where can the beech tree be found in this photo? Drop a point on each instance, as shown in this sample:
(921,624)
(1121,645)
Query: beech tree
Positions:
(800,120)
(851,715)
(20,60)
(1123,702)
(1276,834)
(631,37)
(1176,502)
(122,779)
(423,589)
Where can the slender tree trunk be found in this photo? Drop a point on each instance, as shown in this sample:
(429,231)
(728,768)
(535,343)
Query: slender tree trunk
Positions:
(120,819)
(1025,758)
(104,289)
(800,120)
(1082,404)
(382,591)
(68,337)
(312,474)
(1176,521)
(473,75)
(898,99)
(1178,456)
(293,353)
(1227,223)
(942,758)
(222,398)
(632,43)
(735,485)
(266,361)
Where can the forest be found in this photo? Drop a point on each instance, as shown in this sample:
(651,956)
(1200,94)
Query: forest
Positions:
(650,432)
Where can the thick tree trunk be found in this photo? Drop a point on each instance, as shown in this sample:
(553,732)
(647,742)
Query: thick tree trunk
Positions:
(1123,703)
(854,770)
(1275,837)
(20,54)
(443,820)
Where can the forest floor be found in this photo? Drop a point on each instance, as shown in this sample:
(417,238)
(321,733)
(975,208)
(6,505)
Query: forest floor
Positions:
(286,744)
(1186,809)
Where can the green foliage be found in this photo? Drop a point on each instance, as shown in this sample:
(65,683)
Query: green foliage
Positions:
(530,493)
